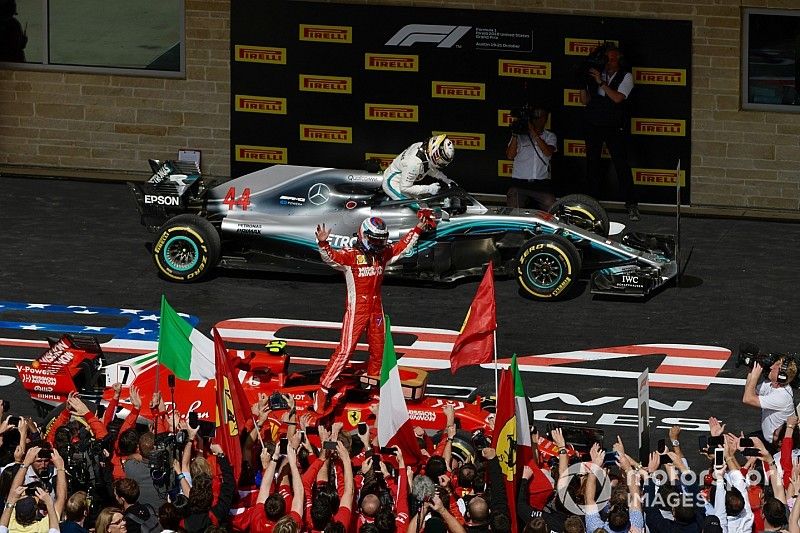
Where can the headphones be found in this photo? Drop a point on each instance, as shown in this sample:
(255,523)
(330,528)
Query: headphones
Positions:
(783,372)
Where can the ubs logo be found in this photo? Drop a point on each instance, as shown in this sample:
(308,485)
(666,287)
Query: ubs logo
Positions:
(319,193)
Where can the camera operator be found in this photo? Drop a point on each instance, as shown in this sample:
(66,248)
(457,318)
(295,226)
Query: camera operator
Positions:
(137,466)
(531,147)
(605,98)
(773,395)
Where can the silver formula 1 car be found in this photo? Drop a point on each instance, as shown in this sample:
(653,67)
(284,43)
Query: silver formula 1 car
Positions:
(266,221)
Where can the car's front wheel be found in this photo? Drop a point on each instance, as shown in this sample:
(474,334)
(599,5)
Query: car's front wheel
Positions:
(187,248)
(547,266)
(582,211)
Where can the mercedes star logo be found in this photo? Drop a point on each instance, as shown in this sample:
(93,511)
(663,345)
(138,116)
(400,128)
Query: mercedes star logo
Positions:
(318,194)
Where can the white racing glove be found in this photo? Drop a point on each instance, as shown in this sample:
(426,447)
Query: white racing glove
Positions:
(434,188)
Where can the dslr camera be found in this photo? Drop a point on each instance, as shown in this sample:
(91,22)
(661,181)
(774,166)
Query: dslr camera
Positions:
(521,116)
(749,355)
(167,447)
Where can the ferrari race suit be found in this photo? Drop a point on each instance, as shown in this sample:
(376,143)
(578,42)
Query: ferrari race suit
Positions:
(407,169)
(363,307)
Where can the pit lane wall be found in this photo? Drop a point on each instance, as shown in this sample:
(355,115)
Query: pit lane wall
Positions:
(332,85)
(106,126)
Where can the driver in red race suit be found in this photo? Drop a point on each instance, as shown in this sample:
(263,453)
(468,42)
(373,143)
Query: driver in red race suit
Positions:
(363,267)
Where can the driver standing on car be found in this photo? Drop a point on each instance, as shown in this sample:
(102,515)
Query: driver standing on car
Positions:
(418,161)
(363,267)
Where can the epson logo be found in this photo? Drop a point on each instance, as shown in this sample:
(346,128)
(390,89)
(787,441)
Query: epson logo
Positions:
(444,36)
(161,200)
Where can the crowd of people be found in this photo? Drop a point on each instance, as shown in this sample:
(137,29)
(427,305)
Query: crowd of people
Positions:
(83,472)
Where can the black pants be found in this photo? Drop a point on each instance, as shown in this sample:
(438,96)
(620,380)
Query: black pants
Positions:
(616,140)
(537,194)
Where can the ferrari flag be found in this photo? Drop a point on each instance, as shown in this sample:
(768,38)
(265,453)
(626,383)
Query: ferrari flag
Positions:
(183,349)
(394,426)
(230,409)
(505,438)
(475,342)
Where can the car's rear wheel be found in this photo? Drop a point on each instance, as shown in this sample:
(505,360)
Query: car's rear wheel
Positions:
(547,266)
(187,248)
(582,211)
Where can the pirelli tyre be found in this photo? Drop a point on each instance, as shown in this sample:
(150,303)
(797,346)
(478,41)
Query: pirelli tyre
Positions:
(187,248)
(547,266)
(582,211)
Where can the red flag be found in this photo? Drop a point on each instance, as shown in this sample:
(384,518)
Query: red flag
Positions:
(504,441)
(232,407)
(475,342)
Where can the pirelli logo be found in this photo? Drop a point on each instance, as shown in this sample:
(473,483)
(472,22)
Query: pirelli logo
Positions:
(260,54)
(659,76)
(260,154)
(577,148)
(326,134)
(504,168)
(391,112)
(572,97)
(395,62)
(457,89)
(465,141)
(574,46)
(260,104)
(326,34)
(658,126)
(384,160)
(326,84)
(658,177)
(524,69)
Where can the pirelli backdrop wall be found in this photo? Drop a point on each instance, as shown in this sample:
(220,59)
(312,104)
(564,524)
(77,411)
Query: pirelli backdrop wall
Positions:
(334,85)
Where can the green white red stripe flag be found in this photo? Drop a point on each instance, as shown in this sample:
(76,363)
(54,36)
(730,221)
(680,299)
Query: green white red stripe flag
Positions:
(394,426)
(185,351)
(524,447)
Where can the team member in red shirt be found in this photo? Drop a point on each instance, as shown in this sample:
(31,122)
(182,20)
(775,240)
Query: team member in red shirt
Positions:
(363,267)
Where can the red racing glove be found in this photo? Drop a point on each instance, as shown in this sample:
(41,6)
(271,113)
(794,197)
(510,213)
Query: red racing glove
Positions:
(426,215)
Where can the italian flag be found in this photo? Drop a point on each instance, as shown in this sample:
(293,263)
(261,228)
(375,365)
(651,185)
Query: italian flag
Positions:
(524,448)
(394,427)
(185,351)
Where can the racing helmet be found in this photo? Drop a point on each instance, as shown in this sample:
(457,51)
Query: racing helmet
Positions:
(440,151)
(373,235)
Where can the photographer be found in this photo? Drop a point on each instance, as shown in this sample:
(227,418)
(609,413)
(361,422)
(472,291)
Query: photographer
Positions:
(605,97)
(773,396)
(531,147)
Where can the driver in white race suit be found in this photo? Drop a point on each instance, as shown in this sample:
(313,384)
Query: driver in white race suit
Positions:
(419,160)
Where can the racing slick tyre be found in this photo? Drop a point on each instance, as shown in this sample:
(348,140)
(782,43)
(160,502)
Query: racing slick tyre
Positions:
(582,211)
(547,266)
(187,248)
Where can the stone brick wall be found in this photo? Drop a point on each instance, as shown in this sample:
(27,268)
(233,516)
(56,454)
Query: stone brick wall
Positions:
(109,125)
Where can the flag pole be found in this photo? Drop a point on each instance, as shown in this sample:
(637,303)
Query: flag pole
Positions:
(494,339)
(158,353)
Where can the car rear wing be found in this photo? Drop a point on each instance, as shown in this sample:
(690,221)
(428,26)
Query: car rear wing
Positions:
(173,189)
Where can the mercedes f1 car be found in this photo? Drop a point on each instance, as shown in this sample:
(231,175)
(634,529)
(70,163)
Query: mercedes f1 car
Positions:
(266,220)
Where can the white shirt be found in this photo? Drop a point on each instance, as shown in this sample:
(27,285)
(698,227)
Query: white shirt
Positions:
(777,404)
(531,163)
(625,86)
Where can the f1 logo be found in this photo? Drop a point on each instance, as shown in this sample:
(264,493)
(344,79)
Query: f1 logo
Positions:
(445,36)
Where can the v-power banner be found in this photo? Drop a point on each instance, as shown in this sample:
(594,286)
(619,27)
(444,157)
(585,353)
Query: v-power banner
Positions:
(336,84)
